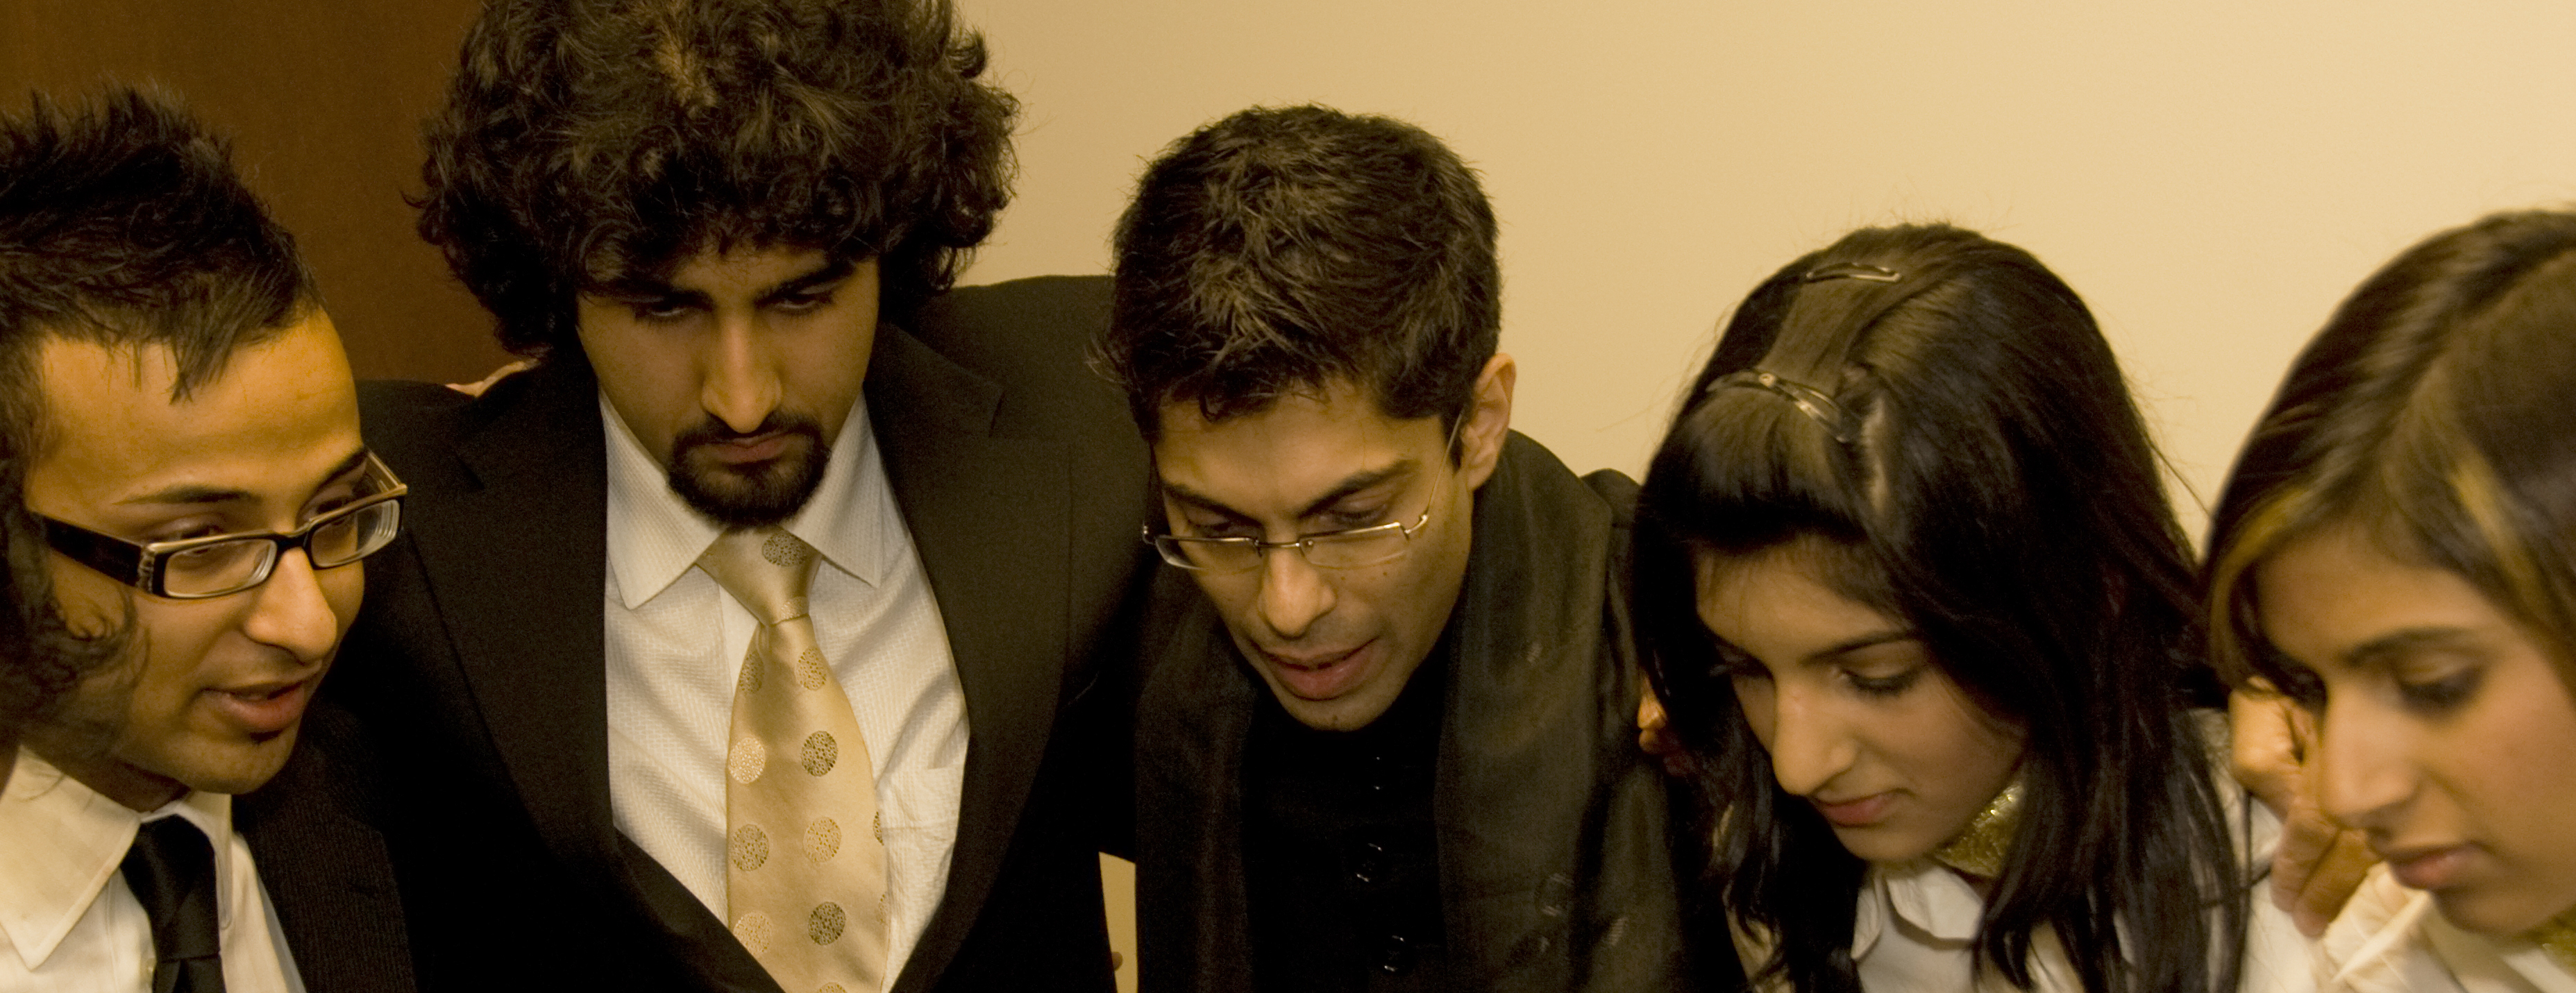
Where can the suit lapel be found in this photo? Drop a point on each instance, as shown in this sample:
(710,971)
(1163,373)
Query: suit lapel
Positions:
(989,516)
(518,561)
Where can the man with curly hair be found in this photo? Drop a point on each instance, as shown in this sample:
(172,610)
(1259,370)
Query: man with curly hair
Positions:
(754,638)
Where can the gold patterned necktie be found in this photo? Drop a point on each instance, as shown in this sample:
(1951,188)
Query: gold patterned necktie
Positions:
(805,882)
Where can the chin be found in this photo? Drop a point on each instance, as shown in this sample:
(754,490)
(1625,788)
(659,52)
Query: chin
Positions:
(2497,910)
(238,767)
(1881,845)
(1344,713)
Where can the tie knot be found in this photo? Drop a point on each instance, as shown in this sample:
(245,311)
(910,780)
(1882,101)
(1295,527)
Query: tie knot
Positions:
(766,569)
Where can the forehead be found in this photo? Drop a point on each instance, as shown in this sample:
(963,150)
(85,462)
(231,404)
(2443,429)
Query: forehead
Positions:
(741,269)
(1291,451)
(277,418)
(2325,594)
(1777,601)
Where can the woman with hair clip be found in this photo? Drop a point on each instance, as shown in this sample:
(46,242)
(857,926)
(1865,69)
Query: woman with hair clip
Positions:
(2396,550)
(1916,605)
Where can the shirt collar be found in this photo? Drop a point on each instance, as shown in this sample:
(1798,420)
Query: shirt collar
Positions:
(1925,894)
(61,842)
(654,538)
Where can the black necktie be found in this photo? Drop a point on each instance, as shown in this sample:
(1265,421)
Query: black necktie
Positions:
(171,870)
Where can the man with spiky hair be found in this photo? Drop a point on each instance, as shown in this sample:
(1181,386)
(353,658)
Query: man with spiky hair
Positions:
(754,638)
(178,418)
(1389,748)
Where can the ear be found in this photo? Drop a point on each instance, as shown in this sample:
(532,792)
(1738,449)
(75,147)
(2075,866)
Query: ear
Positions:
(1488,420)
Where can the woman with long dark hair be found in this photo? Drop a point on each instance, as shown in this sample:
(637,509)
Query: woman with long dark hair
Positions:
(1916,604)
(2396,550)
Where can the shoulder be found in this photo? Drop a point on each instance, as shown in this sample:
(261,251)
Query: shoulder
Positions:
(1021,331)
(421,429)
(1031,339)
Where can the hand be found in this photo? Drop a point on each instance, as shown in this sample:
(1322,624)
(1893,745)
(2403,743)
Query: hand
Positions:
(1655,734)
(2317,865)
(476,388)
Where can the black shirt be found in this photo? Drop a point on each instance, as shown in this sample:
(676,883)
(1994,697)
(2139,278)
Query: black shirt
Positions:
(1342,872)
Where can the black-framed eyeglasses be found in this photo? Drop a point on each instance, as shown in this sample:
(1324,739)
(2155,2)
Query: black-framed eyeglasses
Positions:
(1376,544)
(223,564)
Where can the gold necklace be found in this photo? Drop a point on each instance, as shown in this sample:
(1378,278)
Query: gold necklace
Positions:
(1980,848)
(2557,937)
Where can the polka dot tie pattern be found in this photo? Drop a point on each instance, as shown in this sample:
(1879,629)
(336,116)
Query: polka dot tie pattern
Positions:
(797,768)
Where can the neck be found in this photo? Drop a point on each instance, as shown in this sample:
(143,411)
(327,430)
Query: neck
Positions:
(113,778)
(1980,849)
(2558,938)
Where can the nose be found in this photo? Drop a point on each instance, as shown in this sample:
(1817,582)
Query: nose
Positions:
(291,612)
(1293,593)
(1809,745)
(2365,773)
(739,381)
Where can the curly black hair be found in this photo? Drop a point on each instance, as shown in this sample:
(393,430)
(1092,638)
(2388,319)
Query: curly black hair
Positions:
(587,143)
(1281,248)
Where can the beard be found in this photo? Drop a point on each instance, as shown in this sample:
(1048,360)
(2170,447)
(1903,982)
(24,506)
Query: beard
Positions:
(750,495)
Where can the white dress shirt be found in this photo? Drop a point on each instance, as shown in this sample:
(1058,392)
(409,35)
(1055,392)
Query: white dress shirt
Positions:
(675,645)
(67,922)
(2390,939)
(1916,928)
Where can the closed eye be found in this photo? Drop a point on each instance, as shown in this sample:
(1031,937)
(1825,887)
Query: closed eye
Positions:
(804,302)
(1890,685)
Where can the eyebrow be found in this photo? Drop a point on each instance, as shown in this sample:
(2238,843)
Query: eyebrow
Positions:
(1340,491)
(1871,640)
(195,494)
(2397,644)
(640,289)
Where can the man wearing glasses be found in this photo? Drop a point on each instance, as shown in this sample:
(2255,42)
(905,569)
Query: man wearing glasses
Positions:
(189,433)
(1390,748)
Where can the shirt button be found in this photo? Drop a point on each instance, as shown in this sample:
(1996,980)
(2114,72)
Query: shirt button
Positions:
(1396,956)
(1368,862)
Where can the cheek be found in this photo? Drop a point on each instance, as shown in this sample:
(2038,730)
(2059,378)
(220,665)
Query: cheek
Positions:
(1950,742)
(173,639)
(2514,761)
(1757,698)
(345,587)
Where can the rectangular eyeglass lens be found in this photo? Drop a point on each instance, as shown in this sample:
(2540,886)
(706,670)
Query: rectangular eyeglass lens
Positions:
(214,568)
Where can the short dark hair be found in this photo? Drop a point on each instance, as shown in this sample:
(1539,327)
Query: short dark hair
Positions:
(1283,248)
(123,224)
(1945,419)
(2430,412)
(589,143)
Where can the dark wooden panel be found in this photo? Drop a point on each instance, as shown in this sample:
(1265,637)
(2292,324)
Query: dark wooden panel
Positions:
(323,99)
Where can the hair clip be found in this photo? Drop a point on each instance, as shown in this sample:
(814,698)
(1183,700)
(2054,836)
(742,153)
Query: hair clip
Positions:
(1809,400)
(1851,270)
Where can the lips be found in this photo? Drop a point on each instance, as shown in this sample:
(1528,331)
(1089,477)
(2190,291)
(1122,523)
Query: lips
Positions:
(744,451)
(1855,813)
(1320,676)
(261,709)
(2430,867)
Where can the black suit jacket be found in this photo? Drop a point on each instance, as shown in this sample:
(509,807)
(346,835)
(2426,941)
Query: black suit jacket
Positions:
(476,663)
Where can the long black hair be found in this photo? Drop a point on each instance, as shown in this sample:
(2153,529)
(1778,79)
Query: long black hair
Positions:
(1970,454)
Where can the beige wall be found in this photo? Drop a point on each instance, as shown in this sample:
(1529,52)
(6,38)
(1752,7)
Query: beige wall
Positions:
(2211,176)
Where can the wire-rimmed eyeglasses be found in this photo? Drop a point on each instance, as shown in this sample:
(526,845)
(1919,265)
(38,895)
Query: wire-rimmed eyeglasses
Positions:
(1351,549)
(1376,544)
(222,564)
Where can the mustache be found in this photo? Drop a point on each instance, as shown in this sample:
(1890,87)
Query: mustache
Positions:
(712,431)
